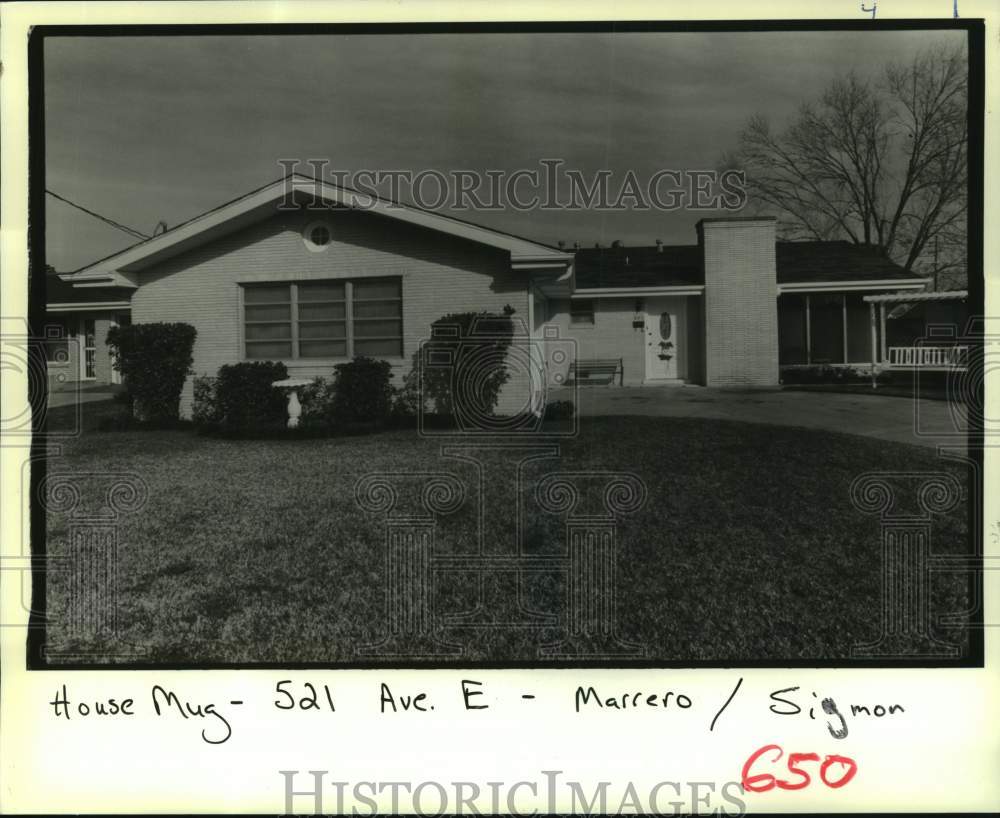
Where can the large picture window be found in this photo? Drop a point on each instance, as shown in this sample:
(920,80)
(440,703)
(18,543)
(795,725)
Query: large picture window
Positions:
(377,318)
(793,345)
(324,319)
(826,325)
(267,313)
(824,328)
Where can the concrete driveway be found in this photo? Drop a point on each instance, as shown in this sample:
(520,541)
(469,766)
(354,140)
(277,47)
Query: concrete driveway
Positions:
(67,395)
(904,420)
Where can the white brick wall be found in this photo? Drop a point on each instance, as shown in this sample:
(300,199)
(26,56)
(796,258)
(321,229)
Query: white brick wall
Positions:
(440,274)
(610,336)
(443,274)
(741,315)
(613,336)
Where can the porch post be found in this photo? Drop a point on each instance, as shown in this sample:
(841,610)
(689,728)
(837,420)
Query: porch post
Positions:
(809,356)
(871,310)
(885,355)
(81,348)
(843,304)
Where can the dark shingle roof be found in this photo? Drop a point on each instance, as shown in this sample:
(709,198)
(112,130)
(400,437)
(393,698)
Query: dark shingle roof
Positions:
(61,292)
(797,261)
(813,261)
(638,266)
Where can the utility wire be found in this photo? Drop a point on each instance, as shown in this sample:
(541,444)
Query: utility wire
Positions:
(104,219)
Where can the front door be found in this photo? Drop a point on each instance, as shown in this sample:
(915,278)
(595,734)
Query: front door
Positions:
(662,338)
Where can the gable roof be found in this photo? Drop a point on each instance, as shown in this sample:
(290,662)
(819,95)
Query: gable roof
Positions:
(59,293)
(120,268)
(797,262)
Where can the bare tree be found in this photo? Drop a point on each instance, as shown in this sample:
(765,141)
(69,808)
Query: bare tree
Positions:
(880,162)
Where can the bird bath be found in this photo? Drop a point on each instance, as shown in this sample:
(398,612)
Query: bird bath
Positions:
(294,407)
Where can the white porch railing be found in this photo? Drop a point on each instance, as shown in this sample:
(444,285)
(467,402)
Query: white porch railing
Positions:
(927,357)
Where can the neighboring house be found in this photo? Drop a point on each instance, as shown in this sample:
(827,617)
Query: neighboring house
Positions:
(314,287)
(76,325)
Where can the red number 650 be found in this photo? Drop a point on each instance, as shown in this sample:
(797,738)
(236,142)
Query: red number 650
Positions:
(762,782)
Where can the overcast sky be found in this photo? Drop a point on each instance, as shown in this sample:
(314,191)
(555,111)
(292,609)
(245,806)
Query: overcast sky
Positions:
(164,128)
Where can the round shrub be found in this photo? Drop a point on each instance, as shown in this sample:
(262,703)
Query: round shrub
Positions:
(245,399)
(205,408)
(317,404)
(361,392)
(154,361)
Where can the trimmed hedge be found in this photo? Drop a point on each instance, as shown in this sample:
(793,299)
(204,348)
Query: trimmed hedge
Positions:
(361,392)
(154,361)
(316,400)
(825,373)
(245,399)
(241,401)
(205,408)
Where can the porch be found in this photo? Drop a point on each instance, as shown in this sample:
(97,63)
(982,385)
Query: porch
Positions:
(872,333)
(647,338)
(937,348)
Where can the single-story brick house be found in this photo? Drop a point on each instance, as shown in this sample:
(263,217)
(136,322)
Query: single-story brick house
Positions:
(296,272)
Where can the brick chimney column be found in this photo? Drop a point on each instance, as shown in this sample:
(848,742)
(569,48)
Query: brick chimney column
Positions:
(741,302)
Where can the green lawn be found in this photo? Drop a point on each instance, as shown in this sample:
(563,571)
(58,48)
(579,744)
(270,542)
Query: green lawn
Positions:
(748,547)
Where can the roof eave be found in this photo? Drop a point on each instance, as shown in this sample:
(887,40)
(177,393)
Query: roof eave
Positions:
(112,278)
(87,306)
(852,285)
(523,252)
(554,261)
(891,298)
(636,292)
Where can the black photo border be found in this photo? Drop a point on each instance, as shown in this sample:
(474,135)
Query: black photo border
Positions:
(975,30)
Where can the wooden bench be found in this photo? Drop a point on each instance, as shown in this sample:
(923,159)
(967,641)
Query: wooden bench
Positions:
(585,368)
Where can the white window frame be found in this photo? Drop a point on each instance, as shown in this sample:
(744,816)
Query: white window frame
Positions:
(84,348)
(348,318)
